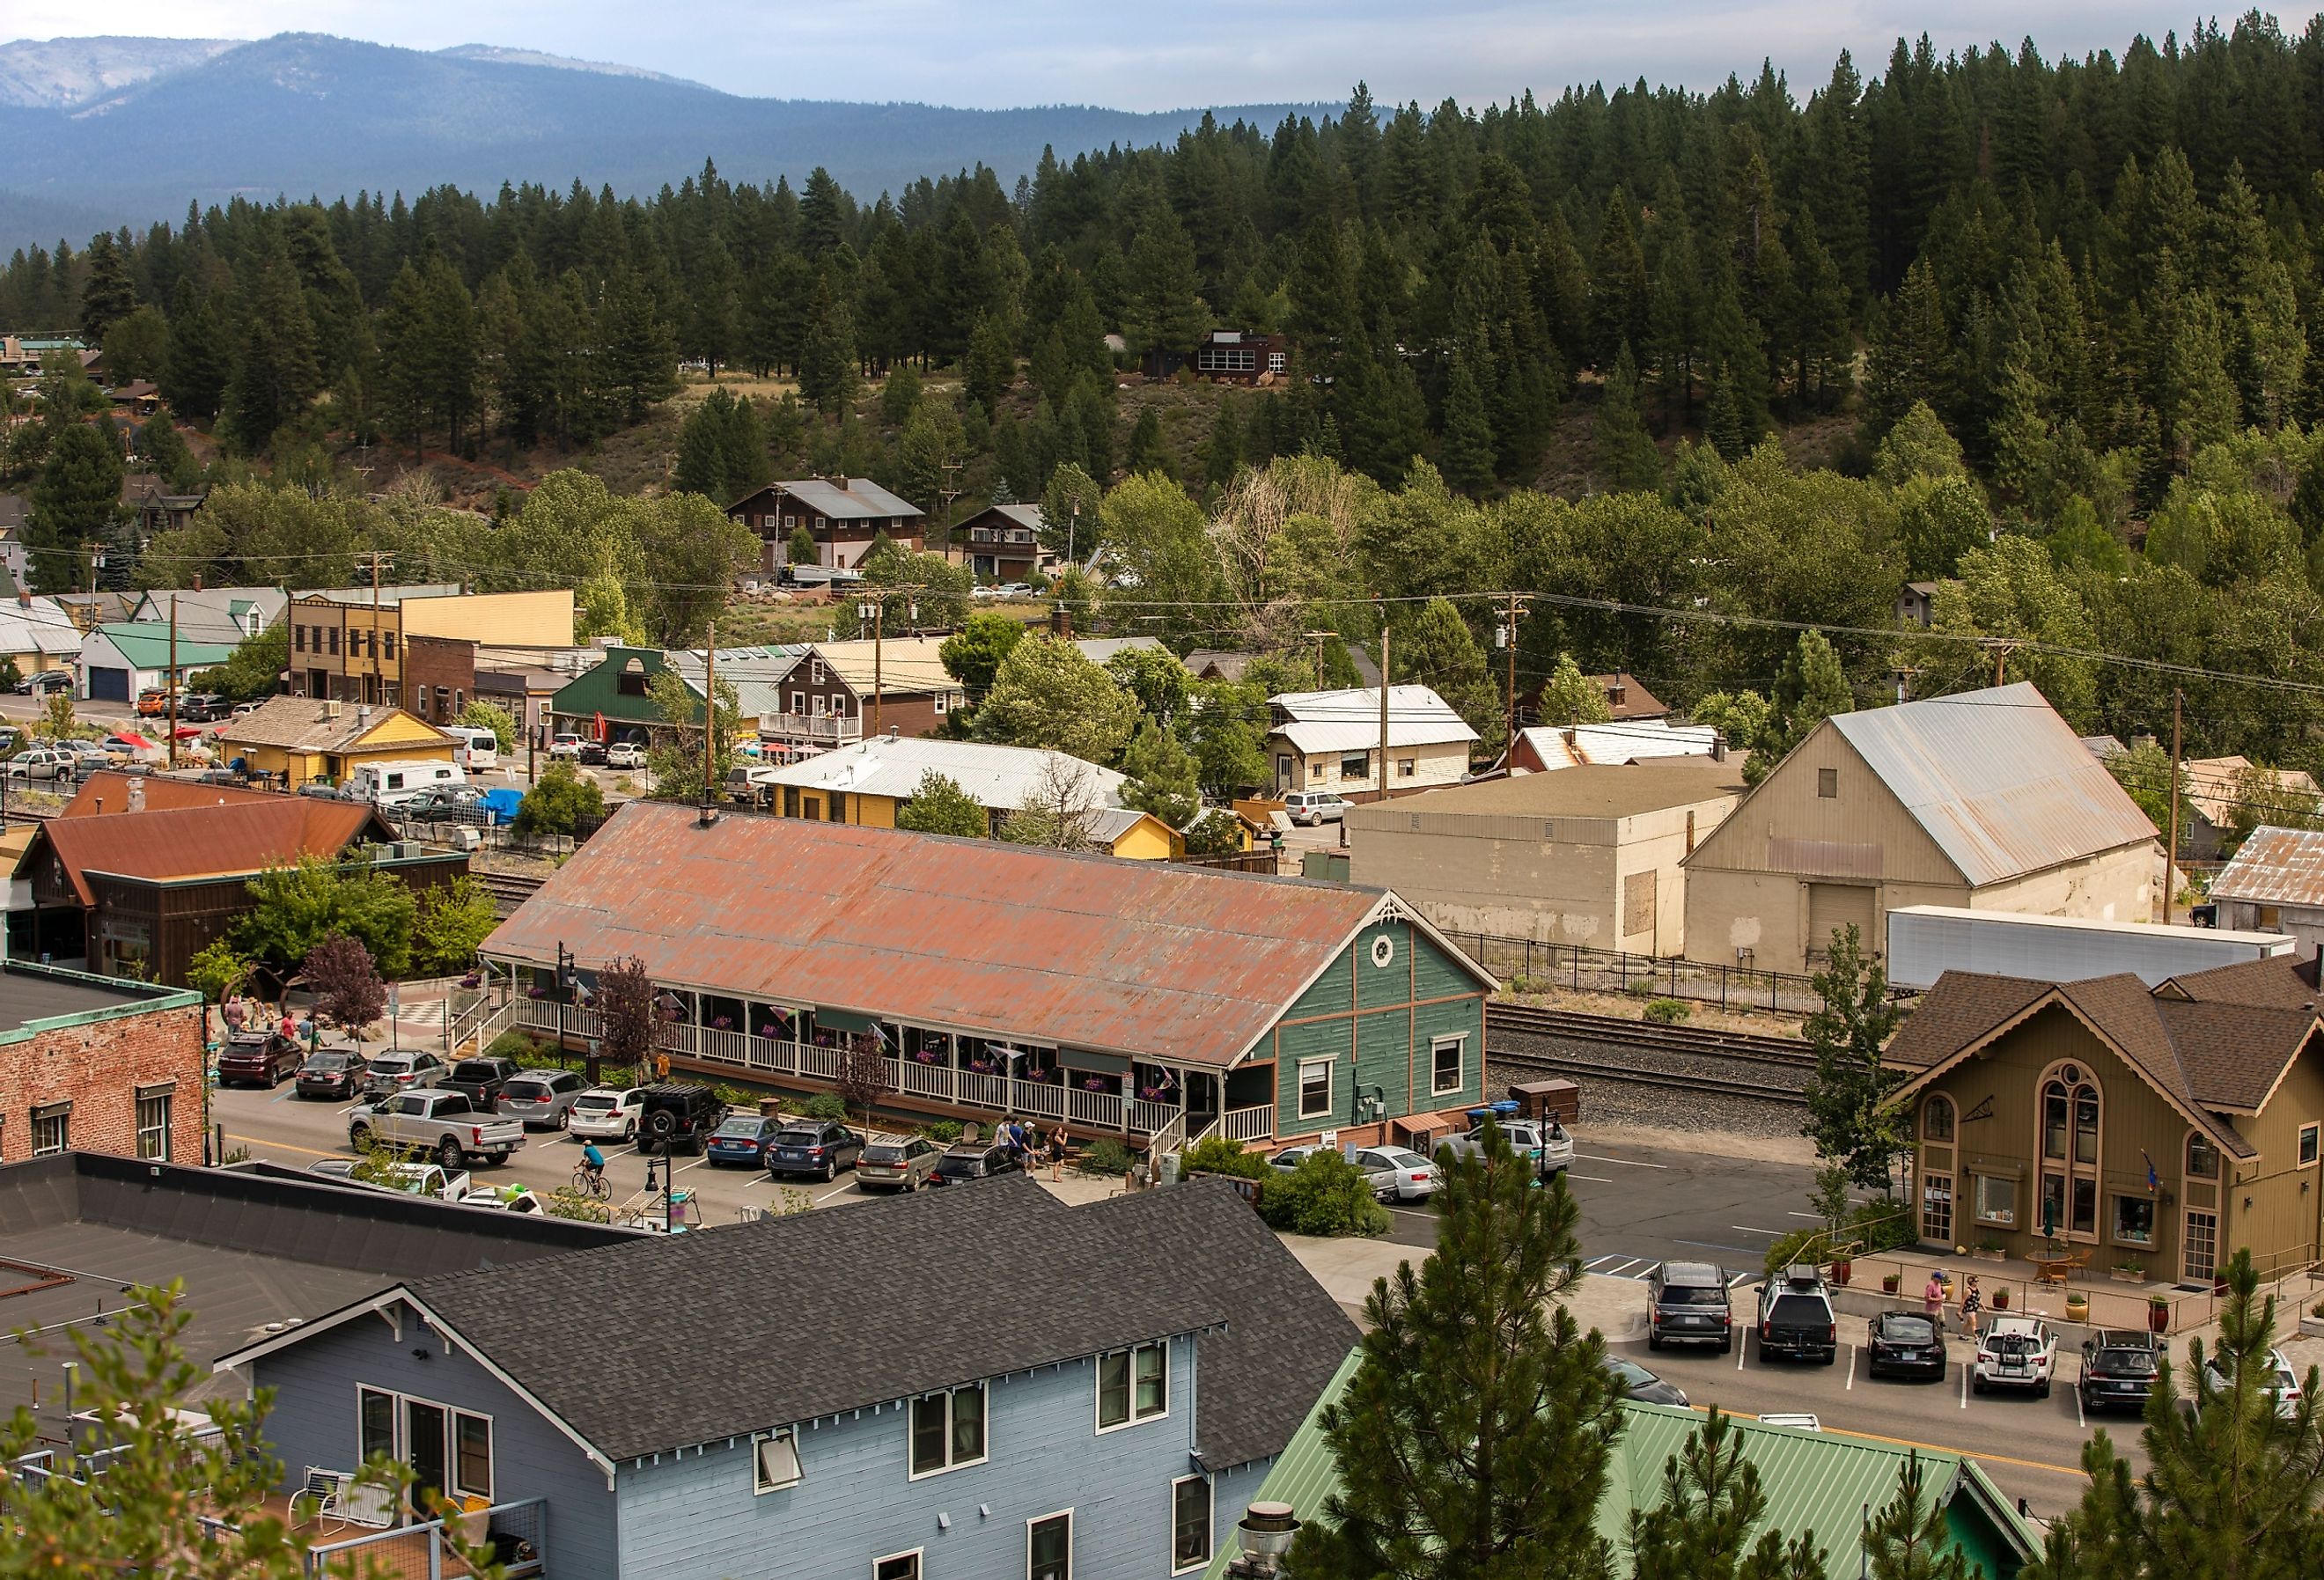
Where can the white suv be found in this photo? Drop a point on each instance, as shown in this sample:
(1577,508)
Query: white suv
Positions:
(2015,1351)
(1314,807)
(566,746)
(2279,1382)
(607,1113)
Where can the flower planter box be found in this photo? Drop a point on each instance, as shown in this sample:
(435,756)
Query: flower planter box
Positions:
(2078,1308)
(1984,1255)
(2120,1277)
(1888,1283)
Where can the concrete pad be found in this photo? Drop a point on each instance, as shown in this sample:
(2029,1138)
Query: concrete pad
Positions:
(1348,1268)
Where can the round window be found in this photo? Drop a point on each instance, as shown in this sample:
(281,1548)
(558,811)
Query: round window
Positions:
(1383,949)
(2071,1073)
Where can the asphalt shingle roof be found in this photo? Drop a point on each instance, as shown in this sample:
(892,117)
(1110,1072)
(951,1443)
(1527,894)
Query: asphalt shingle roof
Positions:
(1022,1280)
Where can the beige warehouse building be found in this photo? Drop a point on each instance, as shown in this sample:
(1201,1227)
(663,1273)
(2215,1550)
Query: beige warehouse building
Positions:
(1586,855)
(1985,800)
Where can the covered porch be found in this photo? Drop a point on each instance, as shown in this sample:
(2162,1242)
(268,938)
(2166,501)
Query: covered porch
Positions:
(953,1073)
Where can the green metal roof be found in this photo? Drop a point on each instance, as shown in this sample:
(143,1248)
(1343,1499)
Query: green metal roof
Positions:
(1814,1480)
(145,644)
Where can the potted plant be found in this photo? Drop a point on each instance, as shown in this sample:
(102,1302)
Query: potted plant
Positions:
(1987,1250)
(1842,1271)
(2078,1307)
(2001,1297)
(2158,1315)
(1889,1281)
(2127,1272)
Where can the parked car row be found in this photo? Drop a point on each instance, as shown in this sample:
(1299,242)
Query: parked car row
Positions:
(1397,1173)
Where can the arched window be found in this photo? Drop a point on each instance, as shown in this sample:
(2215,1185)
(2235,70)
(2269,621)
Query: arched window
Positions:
(1937,1119)
(2068,1145)
(2202,1157)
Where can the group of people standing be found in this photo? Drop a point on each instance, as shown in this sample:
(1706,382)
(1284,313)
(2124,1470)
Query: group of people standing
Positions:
(1933,1301)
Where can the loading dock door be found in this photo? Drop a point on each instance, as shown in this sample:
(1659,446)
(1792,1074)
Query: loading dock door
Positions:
(1838,905)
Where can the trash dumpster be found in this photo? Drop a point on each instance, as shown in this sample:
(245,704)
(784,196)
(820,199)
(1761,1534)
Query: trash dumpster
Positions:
(1548,1100)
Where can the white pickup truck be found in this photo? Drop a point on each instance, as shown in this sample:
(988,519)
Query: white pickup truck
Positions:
(1528,1139)
(437,1122)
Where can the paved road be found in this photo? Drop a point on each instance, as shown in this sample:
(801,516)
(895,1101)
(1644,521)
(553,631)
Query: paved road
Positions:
(282,1129)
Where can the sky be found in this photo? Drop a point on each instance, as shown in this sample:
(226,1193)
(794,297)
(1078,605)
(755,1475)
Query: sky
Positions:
(994,53)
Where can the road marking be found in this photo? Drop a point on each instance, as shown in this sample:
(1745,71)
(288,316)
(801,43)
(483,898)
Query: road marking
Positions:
(1816,1216)
(1742,1348)
(1851,1370)
(682,1167)
(834,1190)
(1623,1270)
(1719,1245)
(2082,1424)
(1965,1373)
(1593,1178)
(1597,1262)
(1737,1279)
(1626,1162)
(1747,1229)
(1979,1455)
(282,1146)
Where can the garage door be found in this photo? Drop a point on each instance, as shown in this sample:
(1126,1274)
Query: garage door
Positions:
(108,685)
(1832,906)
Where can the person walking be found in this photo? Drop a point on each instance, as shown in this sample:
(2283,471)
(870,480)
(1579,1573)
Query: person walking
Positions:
(1932,1298)
(1971,1304)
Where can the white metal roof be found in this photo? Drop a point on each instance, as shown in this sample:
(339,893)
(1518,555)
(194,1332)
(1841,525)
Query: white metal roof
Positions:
(1623,741)
(848,498)
(1997,779)
(1344,721)
(999,777)
(2275,866)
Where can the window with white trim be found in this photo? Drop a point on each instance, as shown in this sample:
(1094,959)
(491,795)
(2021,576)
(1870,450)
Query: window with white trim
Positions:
(1356,766)
(1190,1523)
(153,1123)
(2306,1145)
(1315,1088)
(1133,1385)
(1444,1061)
(897,1566)
(774,1460)
(948,1430)
(1049,1547)
(51,1128)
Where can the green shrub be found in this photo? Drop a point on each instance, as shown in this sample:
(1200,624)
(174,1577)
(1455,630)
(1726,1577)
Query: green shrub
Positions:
(827,1106)
(944,1132)
(1105,1156)
(1327,1194)
(1799,1245)
(1668,1011)
(1881,1226)
(1218,1155)
(523,1048)
(1642,989)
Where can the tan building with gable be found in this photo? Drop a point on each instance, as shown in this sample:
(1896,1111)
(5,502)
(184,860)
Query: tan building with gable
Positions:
(2158,1128)
(1985,800)
(295,739)
(1587,855)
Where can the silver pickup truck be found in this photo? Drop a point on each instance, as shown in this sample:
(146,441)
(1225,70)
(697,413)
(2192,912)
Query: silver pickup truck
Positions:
(444,1123)
(1527,1139)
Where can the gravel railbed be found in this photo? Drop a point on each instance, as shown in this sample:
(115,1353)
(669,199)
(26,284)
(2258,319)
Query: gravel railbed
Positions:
(1606,1102)
(1657,1061)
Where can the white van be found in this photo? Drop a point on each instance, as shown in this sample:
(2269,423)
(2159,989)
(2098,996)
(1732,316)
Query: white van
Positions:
(478,749)
(391,784)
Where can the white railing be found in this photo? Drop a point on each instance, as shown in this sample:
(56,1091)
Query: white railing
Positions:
(983,1091)
(1249,1124)
(915,1079)
(1151,1119)
(1169,1138)
(1102,1110)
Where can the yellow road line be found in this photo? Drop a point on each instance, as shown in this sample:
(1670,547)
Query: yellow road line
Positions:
(1977,1453)
(282,1146)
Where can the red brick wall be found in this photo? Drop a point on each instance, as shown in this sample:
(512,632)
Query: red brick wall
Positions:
(430,662)
(97,1068)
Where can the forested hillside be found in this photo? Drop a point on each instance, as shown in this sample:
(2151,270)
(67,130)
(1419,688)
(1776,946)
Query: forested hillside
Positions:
(2095,275)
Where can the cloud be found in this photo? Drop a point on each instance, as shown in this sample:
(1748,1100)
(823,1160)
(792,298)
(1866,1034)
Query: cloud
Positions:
(1188,52)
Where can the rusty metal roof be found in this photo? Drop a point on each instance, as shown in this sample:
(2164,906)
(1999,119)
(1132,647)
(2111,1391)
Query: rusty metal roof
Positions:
(2002,783)
(2275,866)
(239,837)
(1173,963)
(105,791)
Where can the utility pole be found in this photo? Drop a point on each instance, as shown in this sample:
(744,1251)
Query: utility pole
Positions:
(378,678)
(1508,635)
(1318,638)
(1384,682)
(948,492)
(878,631)
(169,684)
(709,715)
(2170,850)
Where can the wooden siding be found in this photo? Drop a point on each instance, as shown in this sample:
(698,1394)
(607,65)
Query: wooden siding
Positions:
(1376,1023)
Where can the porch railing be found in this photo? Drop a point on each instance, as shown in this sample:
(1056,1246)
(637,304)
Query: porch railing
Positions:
(1256,1124)
(518,1533)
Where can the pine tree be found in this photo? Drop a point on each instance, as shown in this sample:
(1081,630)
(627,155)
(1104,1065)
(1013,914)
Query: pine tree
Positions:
(1467,454)
(1437,650)
(1700,1527)
(1472,1348)
(275,376)
(1088,421)
(637,349)
(1912,356)
(991,362)
(109,295)
(1165,312)
(1910,1539)
(1625,448)
(1222,455)
(1162,776)
(828,370)
(1148,451)
(939,806)
(75,500)
(197,363)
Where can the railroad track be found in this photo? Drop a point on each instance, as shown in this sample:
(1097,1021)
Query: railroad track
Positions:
(1506,1063)
(507,890)
(1530,1023)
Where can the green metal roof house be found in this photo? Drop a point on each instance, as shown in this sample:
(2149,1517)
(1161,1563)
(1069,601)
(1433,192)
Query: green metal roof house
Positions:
(123,658)
(619,687)
(1814,1480)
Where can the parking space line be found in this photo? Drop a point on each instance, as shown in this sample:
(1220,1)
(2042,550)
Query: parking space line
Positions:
(1747,1229)
(1742,1348)
(1593,1178)
(1851,1370)
(1737,1279)
(1623,1271)
(1597,1264)
(1817,1217)
(2080,1423)
(1626,1162)
(827,1195)
(1965,1372)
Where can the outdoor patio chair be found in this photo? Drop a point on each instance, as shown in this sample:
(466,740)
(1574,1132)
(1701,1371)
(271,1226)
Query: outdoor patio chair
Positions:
(325,1494)
(371,1505)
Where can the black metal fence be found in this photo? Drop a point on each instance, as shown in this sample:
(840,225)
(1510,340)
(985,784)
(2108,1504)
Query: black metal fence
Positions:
(1525,964)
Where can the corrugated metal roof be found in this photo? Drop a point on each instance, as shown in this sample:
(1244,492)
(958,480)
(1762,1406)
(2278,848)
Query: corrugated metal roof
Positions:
(147,646)
(997,777)
(1145,958)
(1997,779)
(1813,1481)
(1097,649)
(905,664)
(848,498)
(197,842)
(307,724)
(2275,866)
(1344,721)
(1625,741)
(2212,784)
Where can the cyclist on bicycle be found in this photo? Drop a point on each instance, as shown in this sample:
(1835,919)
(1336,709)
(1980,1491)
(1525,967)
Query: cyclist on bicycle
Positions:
(594,1160)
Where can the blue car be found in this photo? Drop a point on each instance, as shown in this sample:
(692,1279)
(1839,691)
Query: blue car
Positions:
(744,1140)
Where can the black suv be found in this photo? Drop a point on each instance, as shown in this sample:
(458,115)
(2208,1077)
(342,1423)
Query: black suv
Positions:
(1796,1318)
(680,1115)
(2118,1367)
(483,1079)
(1686,1304)
(965,1161)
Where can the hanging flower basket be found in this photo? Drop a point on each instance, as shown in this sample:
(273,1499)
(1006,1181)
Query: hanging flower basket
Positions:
(535,992)
(925,1054)
(722,1023)
(472,980)
(980,1067)
(1095,1084)
(767,1031)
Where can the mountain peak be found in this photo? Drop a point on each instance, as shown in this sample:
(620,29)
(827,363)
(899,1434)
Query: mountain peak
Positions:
(64,74)
(497,55)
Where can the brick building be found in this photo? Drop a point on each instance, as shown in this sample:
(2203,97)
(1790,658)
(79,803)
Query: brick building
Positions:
(439,676)
(95,1065)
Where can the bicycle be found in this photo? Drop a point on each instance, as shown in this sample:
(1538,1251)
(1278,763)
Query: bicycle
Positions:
(591,1182)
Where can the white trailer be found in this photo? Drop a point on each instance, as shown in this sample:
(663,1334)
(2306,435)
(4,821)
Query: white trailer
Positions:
(1925,941)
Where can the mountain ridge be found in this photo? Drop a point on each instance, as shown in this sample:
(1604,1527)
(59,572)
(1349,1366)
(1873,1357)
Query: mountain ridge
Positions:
(312,114)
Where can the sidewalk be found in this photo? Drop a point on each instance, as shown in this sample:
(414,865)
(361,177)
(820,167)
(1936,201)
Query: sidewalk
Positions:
(1346,1268)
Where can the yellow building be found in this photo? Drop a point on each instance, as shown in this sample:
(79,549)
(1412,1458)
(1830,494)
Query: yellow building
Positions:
(346,645)
(865,783)
(297,739)
(541,619)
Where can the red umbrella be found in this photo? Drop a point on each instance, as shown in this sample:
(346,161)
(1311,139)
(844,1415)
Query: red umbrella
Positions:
(136,742)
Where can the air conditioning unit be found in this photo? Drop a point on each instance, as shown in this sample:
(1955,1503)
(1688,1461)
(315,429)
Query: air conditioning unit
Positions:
(331,707)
